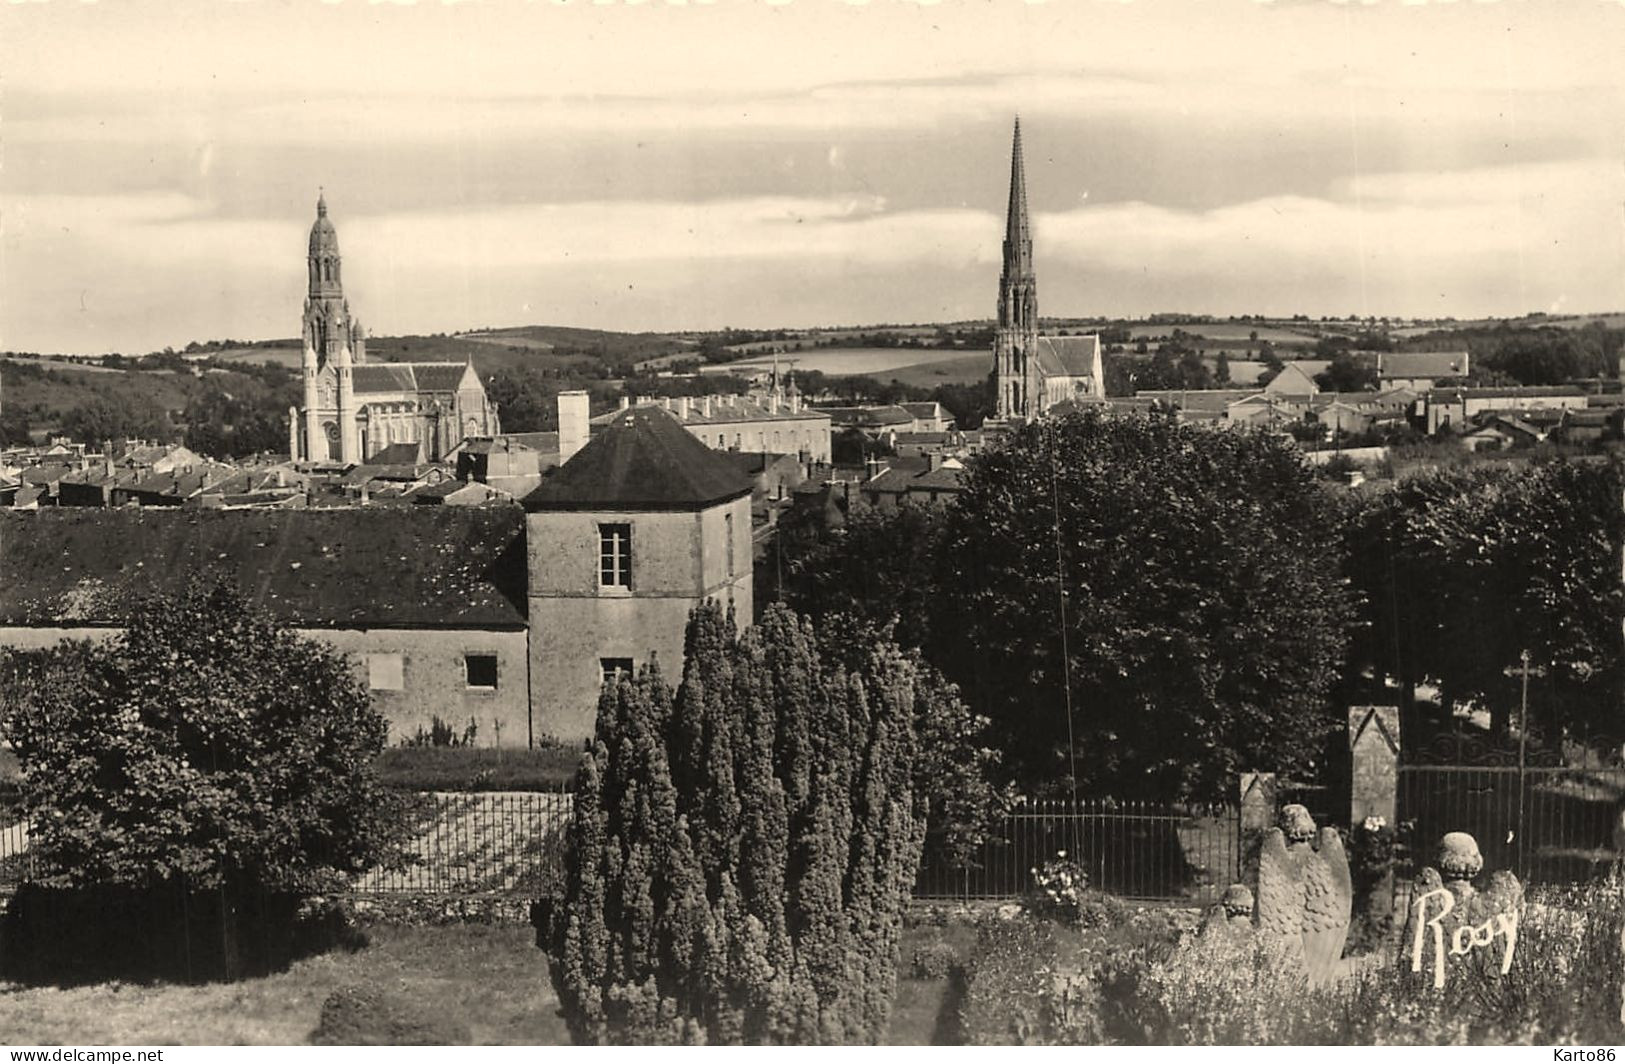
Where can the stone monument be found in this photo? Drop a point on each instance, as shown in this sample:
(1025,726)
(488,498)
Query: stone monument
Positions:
(1305,895)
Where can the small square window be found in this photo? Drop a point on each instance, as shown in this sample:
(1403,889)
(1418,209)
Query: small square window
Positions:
(482,670)
(610,668)
(385,672)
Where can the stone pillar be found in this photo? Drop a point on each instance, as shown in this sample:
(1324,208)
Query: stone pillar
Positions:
(1374,763)
(1256,816)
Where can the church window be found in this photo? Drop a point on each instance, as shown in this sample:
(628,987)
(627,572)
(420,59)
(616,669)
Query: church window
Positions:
(615,556)
(481,670)
(385,672)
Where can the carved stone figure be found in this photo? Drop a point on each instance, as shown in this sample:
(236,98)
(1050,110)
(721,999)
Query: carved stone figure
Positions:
(1305,895)
(1452,915)
(1233,915)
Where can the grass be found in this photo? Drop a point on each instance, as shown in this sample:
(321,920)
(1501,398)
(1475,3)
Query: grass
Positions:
(490,977)
(960,369)
(447,768)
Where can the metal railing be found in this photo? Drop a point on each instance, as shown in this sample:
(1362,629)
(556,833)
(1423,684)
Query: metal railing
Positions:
(1147,851)
(1549,825)
(509,842)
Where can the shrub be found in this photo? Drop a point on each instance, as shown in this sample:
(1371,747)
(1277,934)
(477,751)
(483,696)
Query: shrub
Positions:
(935,960)
(1061,892)
(741,855)
(1020,992)
(205,751)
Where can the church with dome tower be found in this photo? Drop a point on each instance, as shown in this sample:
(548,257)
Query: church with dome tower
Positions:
(1032,373)
(354,409)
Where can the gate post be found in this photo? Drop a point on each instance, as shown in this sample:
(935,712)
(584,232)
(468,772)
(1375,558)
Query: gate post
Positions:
(1255,815)
(1374,767)
(1374,793)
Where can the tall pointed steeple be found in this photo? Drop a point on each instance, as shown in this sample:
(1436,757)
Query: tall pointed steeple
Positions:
(1018,234)
(1016,338)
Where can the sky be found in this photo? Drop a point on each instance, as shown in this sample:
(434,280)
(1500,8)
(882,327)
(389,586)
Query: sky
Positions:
(656,166)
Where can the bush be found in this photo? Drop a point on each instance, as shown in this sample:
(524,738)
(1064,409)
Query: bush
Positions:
(935,961)
(205,753)
(1061,892)
(1019,992)
(741,856)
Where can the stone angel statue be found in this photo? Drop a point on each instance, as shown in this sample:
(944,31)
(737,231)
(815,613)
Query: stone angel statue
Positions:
(1305,895)
(1451,915)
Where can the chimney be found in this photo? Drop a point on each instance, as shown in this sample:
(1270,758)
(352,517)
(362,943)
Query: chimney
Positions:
(682,407)
(705,406)
(366,497)
(773,403)
(572,424)
(665,402)
(281,481)
(626,401)
(795,402)
(933,461)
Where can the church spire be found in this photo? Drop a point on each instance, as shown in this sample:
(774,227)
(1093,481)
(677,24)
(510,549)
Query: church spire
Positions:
(1018,235)
(1015,341)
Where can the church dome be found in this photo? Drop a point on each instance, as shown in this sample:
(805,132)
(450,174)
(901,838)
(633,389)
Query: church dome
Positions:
(324,239)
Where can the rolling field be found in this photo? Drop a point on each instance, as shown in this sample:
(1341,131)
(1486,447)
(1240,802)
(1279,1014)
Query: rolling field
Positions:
(840,361)
(1225,331)
(969,368)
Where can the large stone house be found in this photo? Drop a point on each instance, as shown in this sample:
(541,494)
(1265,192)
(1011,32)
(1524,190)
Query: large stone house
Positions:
(638,527)
(429,602)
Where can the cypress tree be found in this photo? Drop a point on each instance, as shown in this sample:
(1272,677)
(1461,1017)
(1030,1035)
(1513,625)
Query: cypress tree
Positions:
(741,852)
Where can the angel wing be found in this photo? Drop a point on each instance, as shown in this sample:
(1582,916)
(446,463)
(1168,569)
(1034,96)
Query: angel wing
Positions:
(1429,880)
(1280,890)
(1503,895)
(1327,903)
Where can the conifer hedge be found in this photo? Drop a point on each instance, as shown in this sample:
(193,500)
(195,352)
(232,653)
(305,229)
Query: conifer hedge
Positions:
(742,851)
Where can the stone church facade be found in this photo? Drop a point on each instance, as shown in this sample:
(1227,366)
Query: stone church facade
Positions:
(1031,372)
(354,408)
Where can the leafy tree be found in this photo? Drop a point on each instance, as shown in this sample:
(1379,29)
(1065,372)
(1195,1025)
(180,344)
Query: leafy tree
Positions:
(205,751)
(1204,616)
(1221,370)
(110,415)
(1460,570)
(1347,373)
(740,855)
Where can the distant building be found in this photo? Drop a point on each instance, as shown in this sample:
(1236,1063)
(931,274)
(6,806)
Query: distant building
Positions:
(1420,371)
(1033,372)
(633,531)
(1455,408)
(775,423)
(354,409)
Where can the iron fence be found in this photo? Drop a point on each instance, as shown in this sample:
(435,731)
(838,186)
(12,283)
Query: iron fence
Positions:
(509,842)
(1549,825)
(1136,850)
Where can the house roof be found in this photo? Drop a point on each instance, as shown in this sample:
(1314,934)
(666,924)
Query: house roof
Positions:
(927,409)
(1421,364)
(395,454)
(725,410)
(1542,391)
(643,460)
(430,566)
(754,463)
(867,416)
(1296,378)
(1068,356)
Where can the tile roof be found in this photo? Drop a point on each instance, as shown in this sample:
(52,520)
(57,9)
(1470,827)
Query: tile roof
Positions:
(395,454)
(430,566)
(373,377)
(868,416)
(439,376)
(1422,363)
(1542,391)
(1068,356)
(643,460)
(725,410)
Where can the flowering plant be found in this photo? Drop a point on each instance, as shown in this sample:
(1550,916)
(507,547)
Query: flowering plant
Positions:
(1061,892)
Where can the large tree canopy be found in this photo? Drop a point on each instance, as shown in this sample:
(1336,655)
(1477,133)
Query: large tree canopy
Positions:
(1204,618)
(1462,570)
